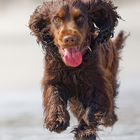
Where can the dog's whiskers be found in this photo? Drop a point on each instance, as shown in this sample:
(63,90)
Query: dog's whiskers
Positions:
(89,48)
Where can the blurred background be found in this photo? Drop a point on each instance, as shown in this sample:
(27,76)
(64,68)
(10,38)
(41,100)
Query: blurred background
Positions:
(21,70)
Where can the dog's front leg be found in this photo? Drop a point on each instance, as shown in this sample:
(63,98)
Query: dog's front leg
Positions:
(55,108)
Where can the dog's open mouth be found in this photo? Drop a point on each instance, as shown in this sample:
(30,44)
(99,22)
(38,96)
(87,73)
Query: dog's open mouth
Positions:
(72,56)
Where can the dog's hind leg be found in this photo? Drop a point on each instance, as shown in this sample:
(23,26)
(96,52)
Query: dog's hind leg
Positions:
(84,131)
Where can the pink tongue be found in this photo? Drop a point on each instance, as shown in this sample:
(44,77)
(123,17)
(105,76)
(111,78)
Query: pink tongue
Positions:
(72,57)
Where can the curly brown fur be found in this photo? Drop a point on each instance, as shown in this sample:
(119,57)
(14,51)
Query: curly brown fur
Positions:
(86,79)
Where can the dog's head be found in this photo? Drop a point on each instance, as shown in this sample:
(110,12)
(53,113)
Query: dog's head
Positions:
(70,25)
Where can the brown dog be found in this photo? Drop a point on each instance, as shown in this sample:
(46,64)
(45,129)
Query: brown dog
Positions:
(81,63)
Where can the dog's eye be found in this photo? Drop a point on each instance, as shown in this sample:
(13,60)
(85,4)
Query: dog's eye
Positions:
(57,20)
(80,20)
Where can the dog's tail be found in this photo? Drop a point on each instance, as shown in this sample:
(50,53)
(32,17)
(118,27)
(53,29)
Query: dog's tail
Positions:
(120,40)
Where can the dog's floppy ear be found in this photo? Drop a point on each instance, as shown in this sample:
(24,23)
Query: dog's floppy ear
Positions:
(104,16)
(39,24)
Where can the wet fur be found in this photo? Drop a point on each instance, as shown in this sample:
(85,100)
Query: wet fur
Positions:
(90,89)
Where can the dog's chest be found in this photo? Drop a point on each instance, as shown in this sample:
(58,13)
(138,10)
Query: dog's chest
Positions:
(80,79)
(74,79)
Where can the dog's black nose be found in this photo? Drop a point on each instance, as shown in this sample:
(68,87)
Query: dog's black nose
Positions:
(70,40)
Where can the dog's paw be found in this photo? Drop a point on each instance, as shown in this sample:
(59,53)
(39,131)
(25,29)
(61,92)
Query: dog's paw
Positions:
(85,133)
(89,138)
(57,119)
